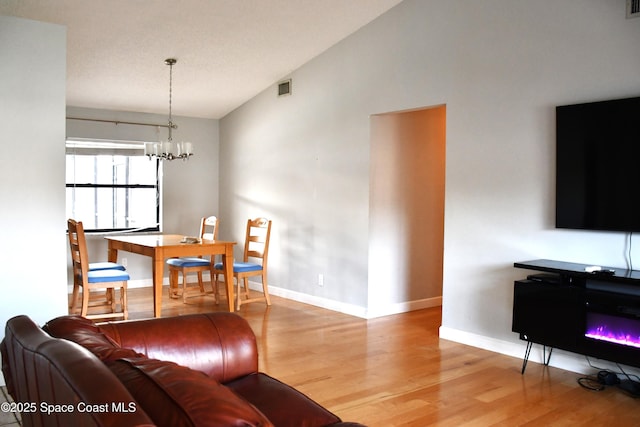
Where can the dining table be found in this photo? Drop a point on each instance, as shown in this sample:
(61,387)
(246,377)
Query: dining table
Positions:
(162,246)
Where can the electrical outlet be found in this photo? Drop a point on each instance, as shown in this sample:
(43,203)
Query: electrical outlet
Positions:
(124,262)
(321,280)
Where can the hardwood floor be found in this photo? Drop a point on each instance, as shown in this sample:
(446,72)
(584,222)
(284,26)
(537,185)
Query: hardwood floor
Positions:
(395,371)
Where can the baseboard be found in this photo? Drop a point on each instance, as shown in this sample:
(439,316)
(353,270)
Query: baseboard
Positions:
(144,283)
(341,307)
(403,307)
(350,309)
(560,359)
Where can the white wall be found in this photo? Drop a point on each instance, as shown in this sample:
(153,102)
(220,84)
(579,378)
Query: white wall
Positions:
(515,63)
(32,223)
(500,67)
(189,189)
(303,164)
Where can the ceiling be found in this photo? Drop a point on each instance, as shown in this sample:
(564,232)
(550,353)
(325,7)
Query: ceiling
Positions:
(227,50)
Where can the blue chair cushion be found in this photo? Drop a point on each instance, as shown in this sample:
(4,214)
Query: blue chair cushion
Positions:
(95,266)
(101,276)
(188,262)
(241,267)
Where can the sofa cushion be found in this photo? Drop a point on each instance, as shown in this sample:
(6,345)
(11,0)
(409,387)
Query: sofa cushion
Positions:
(290,409)
(175,396)
(84,332)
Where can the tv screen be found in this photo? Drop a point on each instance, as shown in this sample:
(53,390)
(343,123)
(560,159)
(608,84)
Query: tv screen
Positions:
(598,165)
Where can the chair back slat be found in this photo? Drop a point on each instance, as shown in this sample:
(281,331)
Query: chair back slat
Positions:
(79,252)
(257,240)
(209,228)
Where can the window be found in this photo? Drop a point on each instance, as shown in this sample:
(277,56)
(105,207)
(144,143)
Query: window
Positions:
(112,186)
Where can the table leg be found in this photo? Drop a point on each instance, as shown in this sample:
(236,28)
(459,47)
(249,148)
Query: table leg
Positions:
(112,253)
(227,261)
(158,270)
(112,256)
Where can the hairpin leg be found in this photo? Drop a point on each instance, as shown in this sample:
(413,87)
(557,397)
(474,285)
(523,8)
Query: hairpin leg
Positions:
(527,352)
(546,358)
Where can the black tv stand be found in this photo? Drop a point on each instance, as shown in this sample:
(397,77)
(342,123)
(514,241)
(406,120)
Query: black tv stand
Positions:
(568,308)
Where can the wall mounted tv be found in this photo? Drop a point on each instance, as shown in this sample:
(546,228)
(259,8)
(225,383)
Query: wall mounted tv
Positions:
(598,165)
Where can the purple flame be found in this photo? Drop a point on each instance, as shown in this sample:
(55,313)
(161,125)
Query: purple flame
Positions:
(618,330)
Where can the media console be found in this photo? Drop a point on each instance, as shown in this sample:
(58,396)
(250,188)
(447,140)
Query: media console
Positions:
(595,314)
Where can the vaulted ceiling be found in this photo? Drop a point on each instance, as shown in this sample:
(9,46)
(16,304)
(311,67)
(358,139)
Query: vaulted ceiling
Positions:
(227,50)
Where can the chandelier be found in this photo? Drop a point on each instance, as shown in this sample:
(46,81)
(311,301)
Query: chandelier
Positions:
(169,150)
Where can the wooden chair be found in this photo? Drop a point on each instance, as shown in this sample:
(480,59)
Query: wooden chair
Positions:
(93,266)
(208,231)
(109,279)
(256,246)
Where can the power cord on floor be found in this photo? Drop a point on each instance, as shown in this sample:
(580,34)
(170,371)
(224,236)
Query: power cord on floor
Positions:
(590,383)
(606,378)
(599,383)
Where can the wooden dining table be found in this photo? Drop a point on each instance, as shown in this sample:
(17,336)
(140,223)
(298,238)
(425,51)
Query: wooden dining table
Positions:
(162,246)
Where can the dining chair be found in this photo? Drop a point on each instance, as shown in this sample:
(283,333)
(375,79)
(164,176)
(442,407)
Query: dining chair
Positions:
(256,248)
(208,231)
(109,279)
(93,266)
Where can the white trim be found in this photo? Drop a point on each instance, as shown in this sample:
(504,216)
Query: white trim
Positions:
(404,307)
(350,309)
(341,307)
(560,359)
(145,283)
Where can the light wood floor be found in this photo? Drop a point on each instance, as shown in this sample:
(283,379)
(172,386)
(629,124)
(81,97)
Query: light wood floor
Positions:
(395,371)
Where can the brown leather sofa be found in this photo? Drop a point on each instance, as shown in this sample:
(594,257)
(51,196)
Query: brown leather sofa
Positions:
(196,370)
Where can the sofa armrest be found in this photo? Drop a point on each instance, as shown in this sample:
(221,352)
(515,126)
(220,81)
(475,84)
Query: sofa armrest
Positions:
(222,345)
(42,372)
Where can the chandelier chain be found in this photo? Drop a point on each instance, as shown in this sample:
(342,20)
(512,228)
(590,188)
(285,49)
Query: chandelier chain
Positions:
(168,150)
(170,96)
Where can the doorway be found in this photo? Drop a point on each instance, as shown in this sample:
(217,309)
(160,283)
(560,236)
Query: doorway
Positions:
(406,228)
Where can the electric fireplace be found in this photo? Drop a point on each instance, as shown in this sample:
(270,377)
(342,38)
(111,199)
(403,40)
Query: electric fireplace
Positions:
(570,309)
(612,320)
(613,329)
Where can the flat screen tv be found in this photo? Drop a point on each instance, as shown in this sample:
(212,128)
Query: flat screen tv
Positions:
(598,165)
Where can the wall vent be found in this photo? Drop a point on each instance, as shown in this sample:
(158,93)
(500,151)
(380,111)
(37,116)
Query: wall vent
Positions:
(284,87)
(633,8)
